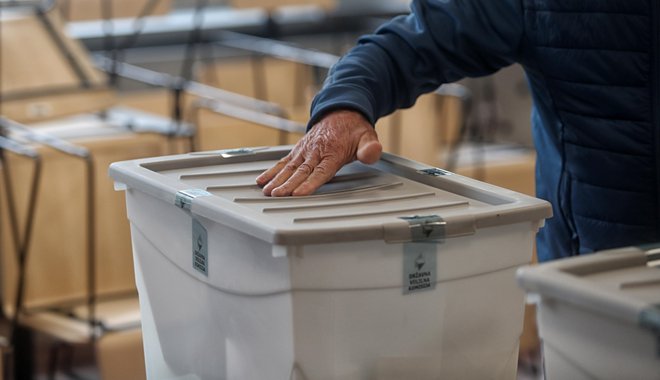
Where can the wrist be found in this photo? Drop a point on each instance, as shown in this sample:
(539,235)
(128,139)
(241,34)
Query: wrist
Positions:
(346,115)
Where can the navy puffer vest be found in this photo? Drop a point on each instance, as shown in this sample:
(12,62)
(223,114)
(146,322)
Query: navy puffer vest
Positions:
(593,69)
(594,72)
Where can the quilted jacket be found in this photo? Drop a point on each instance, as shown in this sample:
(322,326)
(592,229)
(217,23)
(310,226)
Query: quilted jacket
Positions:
(593,68)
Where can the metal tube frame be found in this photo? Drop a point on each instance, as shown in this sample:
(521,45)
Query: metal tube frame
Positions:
(171,82)
(85,155)
(282,124)
(21,244)
(43,4)
(41,12)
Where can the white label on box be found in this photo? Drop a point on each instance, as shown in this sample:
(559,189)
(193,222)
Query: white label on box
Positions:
(200,252)
(419,266)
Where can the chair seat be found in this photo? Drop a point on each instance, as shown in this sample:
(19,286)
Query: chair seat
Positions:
(121,314)
(73,327)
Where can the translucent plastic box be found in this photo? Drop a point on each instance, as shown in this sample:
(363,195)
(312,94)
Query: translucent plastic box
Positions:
(390,271)
(599,315)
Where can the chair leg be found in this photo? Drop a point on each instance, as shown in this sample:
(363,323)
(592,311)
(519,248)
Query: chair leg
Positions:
(23,354)
(53,360)
(67,359)
(8,360)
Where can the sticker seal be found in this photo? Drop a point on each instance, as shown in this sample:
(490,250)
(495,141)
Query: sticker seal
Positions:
(419,266)
(200,251)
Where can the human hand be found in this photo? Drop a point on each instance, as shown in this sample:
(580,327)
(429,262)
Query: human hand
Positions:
(339,138)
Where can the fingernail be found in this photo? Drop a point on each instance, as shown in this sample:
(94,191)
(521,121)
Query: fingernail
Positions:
(261,177)
(279,192)
(268,189)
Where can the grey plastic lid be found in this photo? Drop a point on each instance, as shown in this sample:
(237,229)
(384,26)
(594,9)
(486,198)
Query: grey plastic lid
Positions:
(360,203)
(620,283)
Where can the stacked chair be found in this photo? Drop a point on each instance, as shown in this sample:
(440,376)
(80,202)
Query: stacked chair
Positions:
(66,253)
(65,250)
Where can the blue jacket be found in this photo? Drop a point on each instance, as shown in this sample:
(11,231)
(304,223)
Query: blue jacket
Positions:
(594,71)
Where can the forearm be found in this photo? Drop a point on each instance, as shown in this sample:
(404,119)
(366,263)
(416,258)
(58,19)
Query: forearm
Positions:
(439,42)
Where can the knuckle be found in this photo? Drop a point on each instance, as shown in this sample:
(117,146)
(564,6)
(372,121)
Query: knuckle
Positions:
(321,170)
(291,166)
(305,168)
(283,161)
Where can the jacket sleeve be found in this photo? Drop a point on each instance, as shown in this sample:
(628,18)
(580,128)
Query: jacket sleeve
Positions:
(440,41)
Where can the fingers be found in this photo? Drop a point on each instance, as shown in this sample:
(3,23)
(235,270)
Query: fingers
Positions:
(290,184)
(287,167)
(269,174)
(339,138)
(308,177)
(321,174)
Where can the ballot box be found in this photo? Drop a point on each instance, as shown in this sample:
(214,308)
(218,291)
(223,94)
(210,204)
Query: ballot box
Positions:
(389,271)
(599,315)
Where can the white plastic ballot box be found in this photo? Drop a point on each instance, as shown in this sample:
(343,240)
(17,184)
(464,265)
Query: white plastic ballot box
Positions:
(390,271)
(599,315)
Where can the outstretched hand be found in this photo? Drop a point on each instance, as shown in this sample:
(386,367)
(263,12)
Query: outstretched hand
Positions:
(339,138)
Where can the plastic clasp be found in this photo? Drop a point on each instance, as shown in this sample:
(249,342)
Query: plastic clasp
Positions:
(435,172)
(184,198)
(429,227)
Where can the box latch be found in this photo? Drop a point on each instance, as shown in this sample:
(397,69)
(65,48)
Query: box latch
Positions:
(229,153)
(184,198)
(428,227)
(435,172)
(236,152)
(652,254)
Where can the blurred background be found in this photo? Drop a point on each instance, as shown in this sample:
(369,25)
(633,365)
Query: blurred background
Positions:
(88,82)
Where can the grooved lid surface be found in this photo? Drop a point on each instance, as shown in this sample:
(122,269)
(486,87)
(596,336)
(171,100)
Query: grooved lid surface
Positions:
(362,202)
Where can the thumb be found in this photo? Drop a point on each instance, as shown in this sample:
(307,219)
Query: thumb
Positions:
(369,148)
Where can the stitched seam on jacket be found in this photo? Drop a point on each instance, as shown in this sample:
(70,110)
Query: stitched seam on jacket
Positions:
(610,150)
(596,84)
(587,11)
(601,117)
(595,219)
(581,182)
(592,49)
(523,35)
